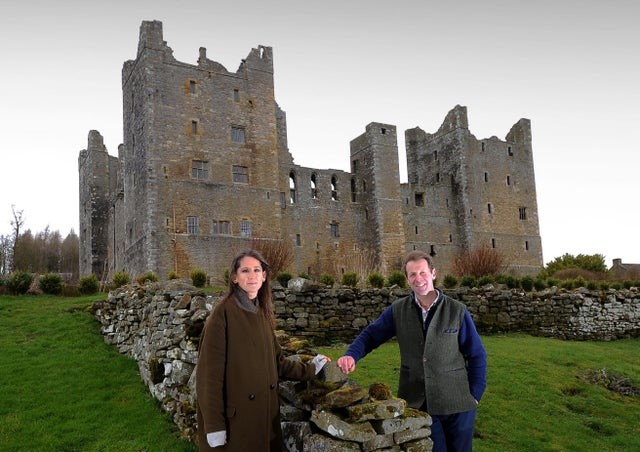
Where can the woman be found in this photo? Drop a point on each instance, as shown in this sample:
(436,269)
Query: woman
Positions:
(239,364)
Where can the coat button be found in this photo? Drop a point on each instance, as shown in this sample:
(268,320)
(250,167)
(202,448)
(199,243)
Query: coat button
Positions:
(251,396)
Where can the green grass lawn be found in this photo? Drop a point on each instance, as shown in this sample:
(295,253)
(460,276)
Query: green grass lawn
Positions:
(62,388)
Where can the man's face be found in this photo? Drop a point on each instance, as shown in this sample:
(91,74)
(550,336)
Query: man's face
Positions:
(420,276)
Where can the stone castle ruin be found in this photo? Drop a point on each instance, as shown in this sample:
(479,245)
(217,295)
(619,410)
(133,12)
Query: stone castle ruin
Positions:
(205,169)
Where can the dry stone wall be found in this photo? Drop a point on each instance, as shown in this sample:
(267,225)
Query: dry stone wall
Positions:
(159,325)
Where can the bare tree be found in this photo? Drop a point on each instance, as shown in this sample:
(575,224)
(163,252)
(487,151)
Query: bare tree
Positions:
(16,224)
(6,247)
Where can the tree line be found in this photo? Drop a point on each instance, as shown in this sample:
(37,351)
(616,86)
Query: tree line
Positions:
(40,252)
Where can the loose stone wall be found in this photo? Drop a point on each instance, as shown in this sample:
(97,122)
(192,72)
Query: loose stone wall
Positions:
(159,326)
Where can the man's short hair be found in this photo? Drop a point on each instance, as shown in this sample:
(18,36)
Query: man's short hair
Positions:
(414,256)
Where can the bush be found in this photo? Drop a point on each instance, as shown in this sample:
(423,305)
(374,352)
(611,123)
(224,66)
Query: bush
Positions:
(590,262)
(592,285)
(539,283)
(88,285)
(567,284)
(526,283)
(198,277)
(468,281)
(51,283)
(304,275)
(604,285)
(579,282)
(120,279)
(350,279)
(283,278)
(481,261)
(327,279)
(450,281)
(552,282)
(147,277)
(19,282)
(512,282)
(375,279)
(484,280)
(172,275)
(616,286)
(397,278)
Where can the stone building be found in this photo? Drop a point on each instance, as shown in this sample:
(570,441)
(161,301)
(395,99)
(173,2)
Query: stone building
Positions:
(205,170)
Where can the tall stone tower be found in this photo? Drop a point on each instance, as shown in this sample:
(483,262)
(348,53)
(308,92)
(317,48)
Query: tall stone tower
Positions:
(97,180)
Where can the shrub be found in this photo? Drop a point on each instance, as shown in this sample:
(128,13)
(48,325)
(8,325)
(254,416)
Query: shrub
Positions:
(278,253)
(468,281)
(604,285)
(198,277)
(172,275)
(120,279)
(627,284)
(616,286)
(225,277)
(19,282)
(526,283)
(552,282)
(375,279)
(88,285)
(327,279)
(304,275)
(512,282)
(579,282)
(70,290)
(481,261)
(51,283)
(283,278)
(485,280)
(593,263)
(567,284)
(149,276)
(539,283)
(350,279)
(592,285)
(450,281)
(397,278)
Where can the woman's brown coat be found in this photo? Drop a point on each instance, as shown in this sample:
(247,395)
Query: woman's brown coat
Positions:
(239,364)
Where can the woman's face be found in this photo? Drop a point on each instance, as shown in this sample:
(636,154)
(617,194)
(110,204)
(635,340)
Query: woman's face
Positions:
(250,276)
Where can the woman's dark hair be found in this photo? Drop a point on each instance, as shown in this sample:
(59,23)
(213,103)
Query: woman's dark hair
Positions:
(264,294)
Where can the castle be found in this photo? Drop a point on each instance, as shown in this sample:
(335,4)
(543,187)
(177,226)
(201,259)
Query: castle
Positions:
(204,170)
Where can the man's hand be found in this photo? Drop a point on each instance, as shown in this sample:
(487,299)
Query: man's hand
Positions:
(347,364)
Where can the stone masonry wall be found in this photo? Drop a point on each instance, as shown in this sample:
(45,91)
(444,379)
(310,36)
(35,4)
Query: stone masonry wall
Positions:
(159,326)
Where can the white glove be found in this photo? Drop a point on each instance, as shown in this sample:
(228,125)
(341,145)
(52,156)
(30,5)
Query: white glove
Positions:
(216,439)
(319,361)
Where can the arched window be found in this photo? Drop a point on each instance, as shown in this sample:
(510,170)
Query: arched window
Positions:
(292,188)
(334,188)
(314,186)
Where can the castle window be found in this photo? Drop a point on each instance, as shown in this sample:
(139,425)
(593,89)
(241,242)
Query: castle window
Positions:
(526,245)
(224,228)
(383,131)
(192,225)
(489,208)
(292,187)
(509,150)
(486,177)
(493,243)
(447,202)
(194,127)
(334,188)
(236,95)
(435,155)
(245,228)
(314,187)
(354,165)
(483,146)
(199,169)
(508,180)
(437,177)
(522,213)
(298,240)
(215,229)
(334,228)
(415,228)
(366,214)
(353,190)
(237,134)
(240,174)
(192,86)
(432,250)
(419,199)
(450,238)
(283,204)
(364,186)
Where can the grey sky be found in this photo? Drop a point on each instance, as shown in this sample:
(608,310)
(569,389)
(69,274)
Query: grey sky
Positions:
(571,67)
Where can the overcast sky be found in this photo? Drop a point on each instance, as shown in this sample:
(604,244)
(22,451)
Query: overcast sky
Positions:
(571,67)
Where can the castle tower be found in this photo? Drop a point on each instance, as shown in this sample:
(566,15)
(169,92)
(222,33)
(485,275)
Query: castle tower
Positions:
(376,185)
(97,180)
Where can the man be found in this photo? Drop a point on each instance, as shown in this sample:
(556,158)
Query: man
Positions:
(443,362)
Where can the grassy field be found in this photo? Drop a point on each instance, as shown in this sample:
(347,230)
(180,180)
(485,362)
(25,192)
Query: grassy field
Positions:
(62,388)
